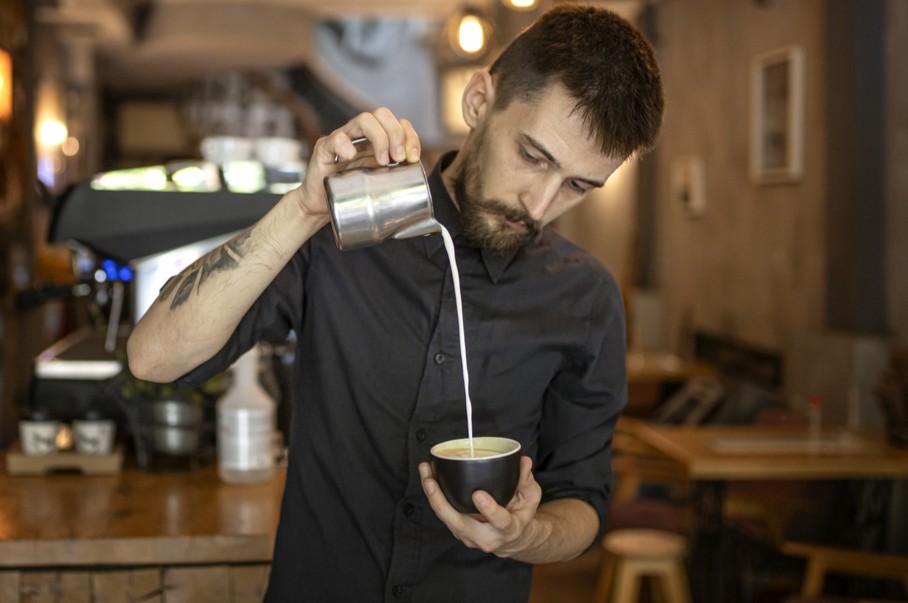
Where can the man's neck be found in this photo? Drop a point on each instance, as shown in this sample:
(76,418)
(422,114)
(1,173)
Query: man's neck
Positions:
(450,174)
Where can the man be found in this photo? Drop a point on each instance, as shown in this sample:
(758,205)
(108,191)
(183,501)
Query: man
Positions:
(377,379)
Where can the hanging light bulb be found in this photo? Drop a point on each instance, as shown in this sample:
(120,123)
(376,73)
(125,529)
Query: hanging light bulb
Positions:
(470,34)
(51,132)
(520,4)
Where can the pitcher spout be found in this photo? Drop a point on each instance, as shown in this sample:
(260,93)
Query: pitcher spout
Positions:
(421,228)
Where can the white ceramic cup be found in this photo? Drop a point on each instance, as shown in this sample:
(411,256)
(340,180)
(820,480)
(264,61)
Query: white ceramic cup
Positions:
(221,149)
(38,437)
(277,151)
(94,436)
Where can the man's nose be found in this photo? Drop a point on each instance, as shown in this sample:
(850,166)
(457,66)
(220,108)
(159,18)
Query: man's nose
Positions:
(539,197)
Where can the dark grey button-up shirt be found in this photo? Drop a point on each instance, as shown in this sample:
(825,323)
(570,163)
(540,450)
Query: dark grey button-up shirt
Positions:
(378,381)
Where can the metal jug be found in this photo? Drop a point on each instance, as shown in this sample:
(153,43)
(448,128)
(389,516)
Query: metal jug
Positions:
(370,205)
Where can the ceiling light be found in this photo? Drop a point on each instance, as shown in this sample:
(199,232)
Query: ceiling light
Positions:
(468,33)
(470,36)
(51,132)
(520,4)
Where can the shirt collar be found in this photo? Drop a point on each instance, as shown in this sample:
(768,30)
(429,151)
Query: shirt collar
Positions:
(447,214)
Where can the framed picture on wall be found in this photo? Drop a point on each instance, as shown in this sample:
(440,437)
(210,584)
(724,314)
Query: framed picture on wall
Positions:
(777,116)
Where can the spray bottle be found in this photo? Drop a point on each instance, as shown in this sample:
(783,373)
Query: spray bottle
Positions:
(246,419)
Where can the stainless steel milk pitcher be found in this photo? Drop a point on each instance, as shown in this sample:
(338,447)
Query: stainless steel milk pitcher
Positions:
(369,205)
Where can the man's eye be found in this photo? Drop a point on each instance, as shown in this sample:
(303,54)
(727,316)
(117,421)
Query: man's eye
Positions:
(577,186)
(529,157)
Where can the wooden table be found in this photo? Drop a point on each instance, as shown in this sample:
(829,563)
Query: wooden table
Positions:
(135,535)
(711,456)
(774,452)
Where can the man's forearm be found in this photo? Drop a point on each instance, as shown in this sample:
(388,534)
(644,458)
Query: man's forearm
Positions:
(198,309)
(561,530)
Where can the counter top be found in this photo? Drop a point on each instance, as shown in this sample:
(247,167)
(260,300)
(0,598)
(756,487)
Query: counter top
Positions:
(135,517)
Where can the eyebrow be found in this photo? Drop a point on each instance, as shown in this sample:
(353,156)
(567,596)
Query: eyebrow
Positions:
(551,159)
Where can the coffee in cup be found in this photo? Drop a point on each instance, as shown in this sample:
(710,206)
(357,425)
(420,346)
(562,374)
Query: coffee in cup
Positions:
(463,453)
(492,464)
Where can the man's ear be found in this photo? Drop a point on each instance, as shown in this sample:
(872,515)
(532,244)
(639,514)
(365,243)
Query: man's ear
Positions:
(478,97)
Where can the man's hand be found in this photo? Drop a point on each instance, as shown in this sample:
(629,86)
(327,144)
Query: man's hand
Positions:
(390,140)
(524,530)
(503,531)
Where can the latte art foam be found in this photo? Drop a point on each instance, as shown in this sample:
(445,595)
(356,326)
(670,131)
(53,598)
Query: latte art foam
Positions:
(466,453)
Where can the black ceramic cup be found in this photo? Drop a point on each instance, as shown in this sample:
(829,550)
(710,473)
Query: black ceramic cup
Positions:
(495,468)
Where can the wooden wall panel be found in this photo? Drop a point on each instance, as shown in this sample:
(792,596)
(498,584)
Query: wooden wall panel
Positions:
(128,585)
(248,583)
(209,584)
(39,587)
(76,585)
(9,586)
(181,584)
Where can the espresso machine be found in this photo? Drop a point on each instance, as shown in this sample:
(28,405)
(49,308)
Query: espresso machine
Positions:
(140,227)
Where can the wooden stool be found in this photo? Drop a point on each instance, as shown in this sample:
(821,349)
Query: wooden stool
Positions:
(633,554)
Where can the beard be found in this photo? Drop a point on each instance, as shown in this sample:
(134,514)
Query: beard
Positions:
(483,219)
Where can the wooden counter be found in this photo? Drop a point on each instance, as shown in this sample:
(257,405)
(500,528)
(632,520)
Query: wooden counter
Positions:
(136,535)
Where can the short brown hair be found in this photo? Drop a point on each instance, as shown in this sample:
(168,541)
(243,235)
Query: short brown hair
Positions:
(602,60)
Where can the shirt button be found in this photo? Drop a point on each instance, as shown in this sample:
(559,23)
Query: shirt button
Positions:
(439,358)
(421,435)
(397,590)
(408,510)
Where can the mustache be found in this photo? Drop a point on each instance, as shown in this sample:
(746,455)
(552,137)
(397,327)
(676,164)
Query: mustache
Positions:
(513,214)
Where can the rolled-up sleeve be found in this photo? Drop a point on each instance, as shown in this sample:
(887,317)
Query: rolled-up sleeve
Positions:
(581,408)
(271,318)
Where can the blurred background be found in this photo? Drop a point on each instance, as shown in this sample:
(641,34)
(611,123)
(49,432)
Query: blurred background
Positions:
(800,256)
(763,237)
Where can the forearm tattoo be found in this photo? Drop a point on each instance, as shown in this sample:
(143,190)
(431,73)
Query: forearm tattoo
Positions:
(226,257)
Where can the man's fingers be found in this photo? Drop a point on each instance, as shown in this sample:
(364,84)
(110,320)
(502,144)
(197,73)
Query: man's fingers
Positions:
(443,509)
(387,140)
(412,145)
(496,515)
(340,144)
(396,136)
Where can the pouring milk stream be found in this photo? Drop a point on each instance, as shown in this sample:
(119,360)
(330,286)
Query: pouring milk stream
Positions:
(369,205)
(455,275)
